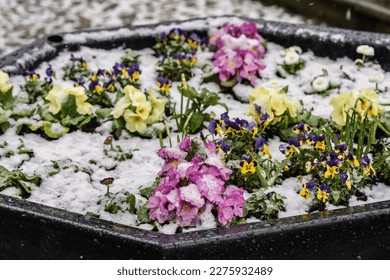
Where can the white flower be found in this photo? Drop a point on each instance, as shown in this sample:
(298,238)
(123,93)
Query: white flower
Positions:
(320,84)
(365,50)
(291,58)
(377,78)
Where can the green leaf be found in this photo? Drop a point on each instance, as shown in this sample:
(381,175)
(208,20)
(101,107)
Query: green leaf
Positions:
(148,191)
(69,107)
(143,213)
(4,124)
(229,84)
(112,208)
(7,101)
(46,115)
(54,132)
(130,199)
(196,122)
(17,179)
(336,196)
(103,113)
(22,114)
(211,79)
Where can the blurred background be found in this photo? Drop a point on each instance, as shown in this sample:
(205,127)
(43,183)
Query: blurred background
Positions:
(22,21)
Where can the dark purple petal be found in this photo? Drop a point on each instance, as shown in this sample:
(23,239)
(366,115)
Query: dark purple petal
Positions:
(259,143)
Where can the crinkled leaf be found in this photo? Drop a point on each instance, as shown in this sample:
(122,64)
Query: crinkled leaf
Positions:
(148,191)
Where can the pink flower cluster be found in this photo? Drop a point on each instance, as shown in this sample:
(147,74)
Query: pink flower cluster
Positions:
(189,186)
(239,52)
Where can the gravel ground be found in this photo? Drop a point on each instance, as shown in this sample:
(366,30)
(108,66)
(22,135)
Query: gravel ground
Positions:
(22,21)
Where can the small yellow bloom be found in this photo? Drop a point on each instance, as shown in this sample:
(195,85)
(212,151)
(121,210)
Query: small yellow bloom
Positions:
(322,195)
(135,76)
(304,193)
(368,170)
(248,167)
(193,44)
(320,145)
(348,184)
(265,151)
(331,171)
(99,89)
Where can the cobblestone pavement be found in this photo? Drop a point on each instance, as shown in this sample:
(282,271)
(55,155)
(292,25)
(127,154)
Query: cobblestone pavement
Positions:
(22,21)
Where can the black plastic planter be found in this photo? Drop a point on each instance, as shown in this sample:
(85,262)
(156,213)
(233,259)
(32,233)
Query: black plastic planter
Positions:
(33,231)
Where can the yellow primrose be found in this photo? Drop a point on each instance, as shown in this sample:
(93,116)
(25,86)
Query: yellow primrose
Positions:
(4,82)
(304,193)
(58,95)
(143,110)
(132,96)
(158,108)
(134,123)
(83,108)
(273,101)
(322,195)
(341,105)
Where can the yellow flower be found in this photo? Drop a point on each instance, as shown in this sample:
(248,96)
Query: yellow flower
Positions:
(135,76)
(304,193)
(248,167)
(368,170)
(273,101)
(348,184)
(143,110)
(320,145)
(331,171)
(266,151)
(132,96)
(58,95)
(4,85)
(83,108)
(341,105)
(192,44)
(322,195)
(158,108)
(365,102)
(134,122)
